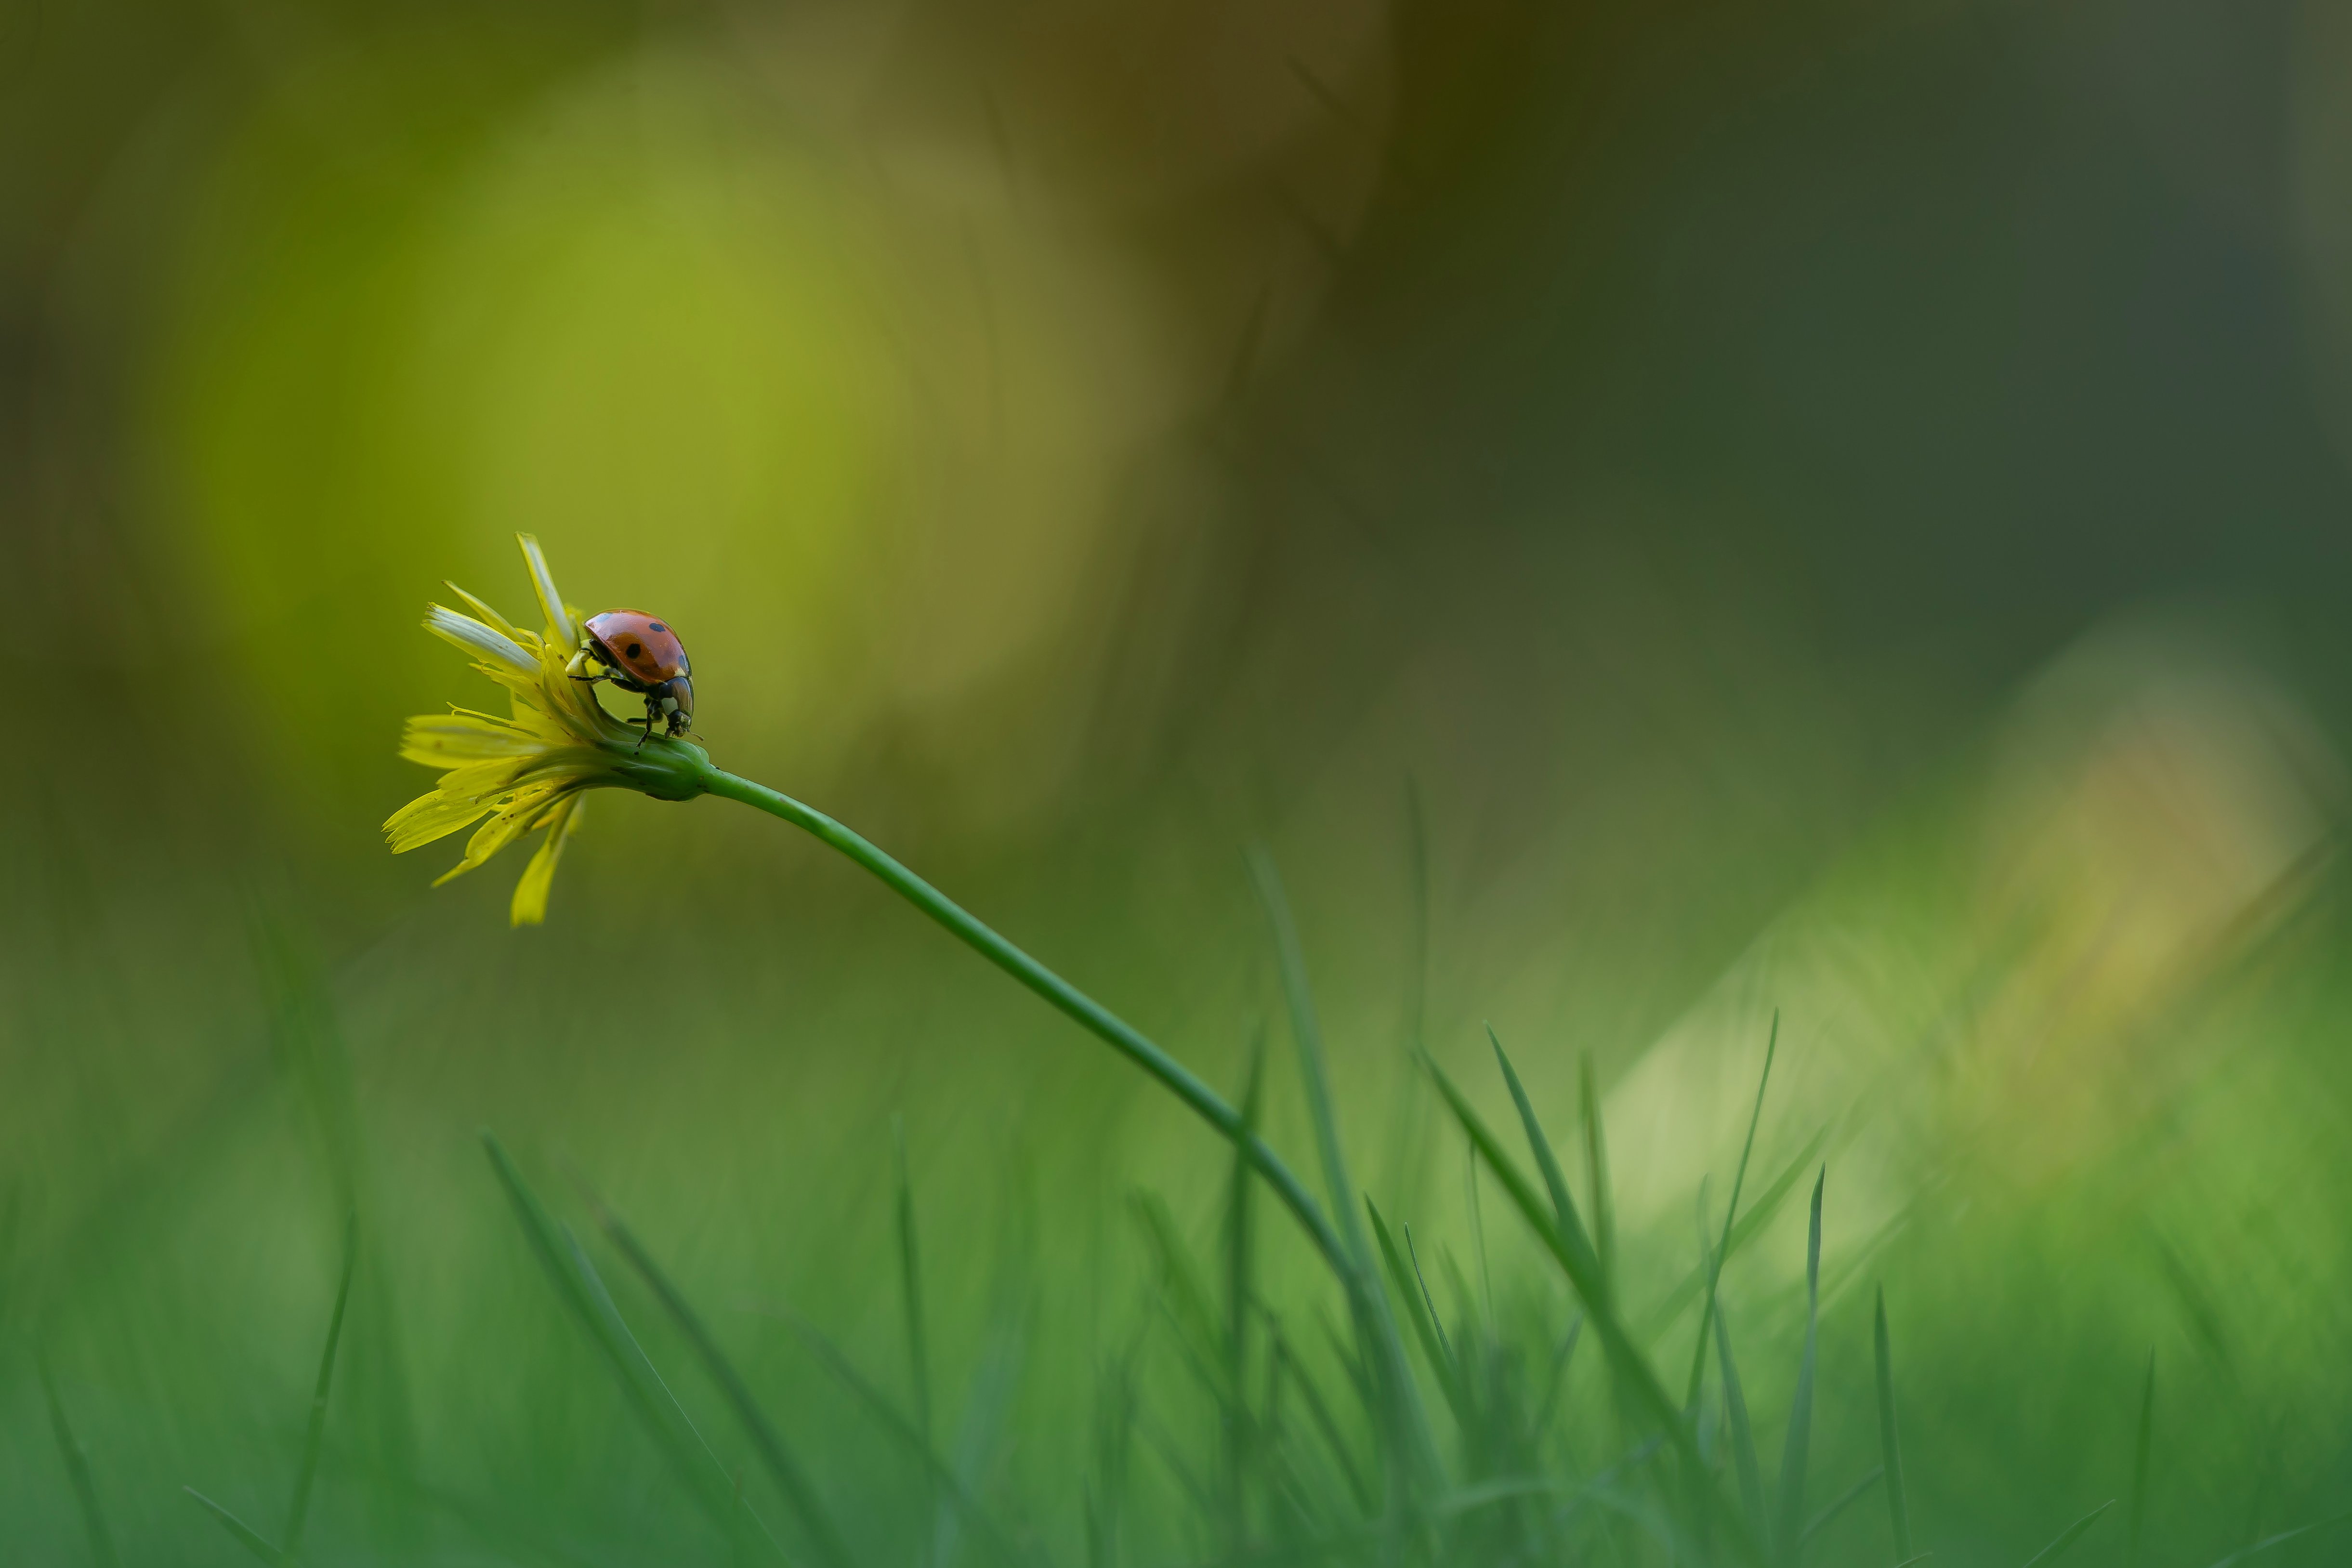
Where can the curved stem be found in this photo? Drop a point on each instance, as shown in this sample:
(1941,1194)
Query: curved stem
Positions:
(1083,1009)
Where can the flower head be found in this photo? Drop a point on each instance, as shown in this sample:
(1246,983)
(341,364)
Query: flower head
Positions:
(528,771)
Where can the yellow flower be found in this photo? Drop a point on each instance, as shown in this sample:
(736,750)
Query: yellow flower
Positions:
(528,771)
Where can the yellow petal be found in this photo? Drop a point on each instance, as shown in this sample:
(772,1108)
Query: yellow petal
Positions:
(483,642)
(488,781)
(491,618)
(529,905)
(428,818)
(518,814)
(560,629)
(535,690)
(445,739)
(585,716)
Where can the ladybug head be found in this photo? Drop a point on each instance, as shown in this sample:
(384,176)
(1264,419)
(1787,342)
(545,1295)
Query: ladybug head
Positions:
(675,699)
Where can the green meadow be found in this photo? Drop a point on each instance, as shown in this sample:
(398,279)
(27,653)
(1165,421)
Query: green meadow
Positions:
(1573,780)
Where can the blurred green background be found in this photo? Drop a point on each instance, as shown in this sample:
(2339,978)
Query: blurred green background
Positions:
(1655,513)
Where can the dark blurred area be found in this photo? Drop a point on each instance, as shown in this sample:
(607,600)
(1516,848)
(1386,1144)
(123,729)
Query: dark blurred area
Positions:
(1820,507)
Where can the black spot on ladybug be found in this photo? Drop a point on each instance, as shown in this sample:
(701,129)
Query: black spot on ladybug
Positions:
(636,648)
(659,627)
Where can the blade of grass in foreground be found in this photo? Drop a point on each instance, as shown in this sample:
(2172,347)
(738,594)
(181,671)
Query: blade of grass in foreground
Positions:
(1425,1327)
(1596,1168)
(731,1509)
(1188,1305)
(2139,1464)
(1464,1305)
(2067,1537)
(243,1535)
(310,1047)
(1288,1371)
(2280,1539)
(1794,1452)
(299,1513)
(557,1257)
(910,1300)
(94,1518)
(782,1465)
(1399,1400)
(944,1480)
(985,1432)
(911,1284)
(1576,1259)
(1760,1213)
(1557,1379)
(1241,1252)
(1890,1446)
(1846,1499)
(1103,1491)
(1566,1220)
(1743,1435)
(1714,1262)
(1240,1232)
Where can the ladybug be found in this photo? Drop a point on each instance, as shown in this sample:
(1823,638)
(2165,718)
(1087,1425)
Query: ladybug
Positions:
(638,653)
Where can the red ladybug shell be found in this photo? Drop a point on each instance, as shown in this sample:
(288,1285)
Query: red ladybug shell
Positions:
(641,646)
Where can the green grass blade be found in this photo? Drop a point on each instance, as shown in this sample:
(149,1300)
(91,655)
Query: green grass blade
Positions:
(1743,1434)
(1478,1236)
(1188,1293)
(1307,1033)
(1172,1459)
(685,1441)
(1423,1318)
(1240,1232)
(985,1431)
(311,1048)
(1692,1287)
(1578,1263)
(1566,1220)
(1105,1487)
(243,1535)
(1384,1350)
(782,1465)
(1560,1230)
(1559,1377)
(1290,1374)
(1890,1445)
(1795,1451)
(1713,1262)
(85,1489)
(2068,1536)
(2280,1539)
(1596,1170)
(1413,1255)
(943,1476)
(299,1513)
(1240,1259)
(1343,1351)
(910,1308)
(1845,1501)
(910,1282)
(559,1257)
(2140,1452)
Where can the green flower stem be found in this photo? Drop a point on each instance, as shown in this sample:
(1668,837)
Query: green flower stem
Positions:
(1089,1014)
